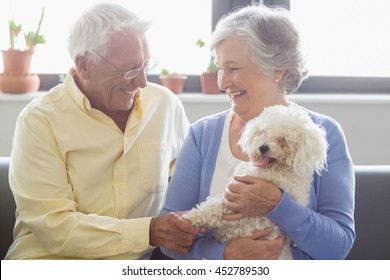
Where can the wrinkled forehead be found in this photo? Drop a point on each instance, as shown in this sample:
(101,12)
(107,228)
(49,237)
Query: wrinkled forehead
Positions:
(128,43)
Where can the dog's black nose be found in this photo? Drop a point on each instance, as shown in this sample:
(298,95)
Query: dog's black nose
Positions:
(263,149)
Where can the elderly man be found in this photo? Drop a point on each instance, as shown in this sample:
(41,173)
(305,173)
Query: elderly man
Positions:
(91,159)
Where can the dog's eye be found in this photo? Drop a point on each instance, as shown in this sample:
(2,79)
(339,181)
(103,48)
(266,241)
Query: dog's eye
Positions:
(282,142)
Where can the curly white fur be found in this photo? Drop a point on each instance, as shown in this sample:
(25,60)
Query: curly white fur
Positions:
(284,146)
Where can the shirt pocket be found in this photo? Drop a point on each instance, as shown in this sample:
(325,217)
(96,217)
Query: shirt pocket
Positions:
(154,160)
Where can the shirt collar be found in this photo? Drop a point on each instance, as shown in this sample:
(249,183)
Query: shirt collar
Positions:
(75,93)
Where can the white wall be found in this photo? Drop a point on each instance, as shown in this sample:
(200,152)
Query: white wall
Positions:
(364,118)
(10,107)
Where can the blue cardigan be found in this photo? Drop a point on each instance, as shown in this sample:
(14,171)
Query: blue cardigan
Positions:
(322,230)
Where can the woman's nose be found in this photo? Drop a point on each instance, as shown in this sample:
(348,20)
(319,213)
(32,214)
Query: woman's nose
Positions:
(223,80)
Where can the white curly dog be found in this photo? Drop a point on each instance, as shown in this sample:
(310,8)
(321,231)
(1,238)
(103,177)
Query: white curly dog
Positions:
(285,147)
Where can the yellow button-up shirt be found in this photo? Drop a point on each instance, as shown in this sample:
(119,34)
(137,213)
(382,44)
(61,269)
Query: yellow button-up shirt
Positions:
(83,188)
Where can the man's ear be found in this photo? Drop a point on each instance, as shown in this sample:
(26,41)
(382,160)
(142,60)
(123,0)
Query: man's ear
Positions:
(82,66)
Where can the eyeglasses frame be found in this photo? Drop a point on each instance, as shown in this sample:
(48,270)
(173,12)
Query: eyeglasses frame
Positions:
(131,74)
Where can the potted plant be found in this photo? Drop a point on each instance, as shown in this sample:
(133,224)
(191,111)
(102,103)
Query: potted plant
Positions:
(174,81)
(16,62)
(209,78)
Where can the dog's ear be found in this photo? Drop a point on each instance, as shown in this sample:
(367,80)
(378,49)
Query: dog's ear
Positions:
(313,151)
(321,148)
(249,132)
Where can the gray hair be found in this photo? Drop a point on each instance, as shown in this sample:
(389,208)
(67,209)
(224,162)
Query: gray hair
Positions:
(272,39)
(92,31)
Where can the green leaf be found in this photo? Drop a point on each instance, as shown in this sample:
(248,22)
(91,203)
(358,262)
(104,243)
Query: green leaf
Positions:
(14,31)
(200,43)
(212,67)
(32,39)
(164,72)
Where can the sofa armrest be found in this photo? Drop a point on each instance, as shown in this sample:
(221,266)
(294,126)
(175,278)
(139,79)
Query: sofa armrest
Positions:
(372,213)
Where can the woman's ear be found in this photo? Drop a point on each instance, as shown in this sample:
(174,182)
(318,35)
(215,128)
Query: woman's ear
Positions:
(279,74)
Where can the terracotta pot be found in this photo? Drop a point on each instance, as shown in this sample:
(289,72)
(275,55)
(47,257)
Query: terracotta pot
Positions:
(17,77)
(16,62)
(174,83)
(208,83)
(19,83)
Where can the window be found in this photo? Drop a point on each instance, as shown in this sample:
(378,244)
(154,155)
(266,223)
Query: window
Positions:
(176,27)
(346,42)
(345,38)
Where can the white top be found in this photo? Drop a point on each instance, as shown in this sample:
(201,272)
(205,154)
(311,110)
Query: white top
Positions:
(226,162)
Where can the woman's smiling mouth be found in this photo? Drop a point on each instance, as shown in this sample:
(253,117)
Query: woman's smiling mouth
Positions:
(237,93)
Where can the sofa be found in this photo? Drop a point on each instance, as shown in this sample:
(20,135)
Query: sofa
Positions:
(371,214)
(7,208)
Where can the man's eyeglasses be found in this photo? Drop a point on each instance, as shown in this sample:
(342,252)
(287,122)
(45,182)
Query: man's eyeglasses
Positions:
(131,74)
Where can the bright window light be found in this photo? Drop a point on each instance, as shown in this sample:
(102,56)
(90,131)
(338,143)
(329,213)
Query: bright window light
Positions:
(177,25)
(345,37)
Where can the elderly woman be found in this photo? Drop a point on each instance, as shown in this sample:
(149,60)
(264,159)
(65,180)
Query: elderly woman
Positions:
(259,58)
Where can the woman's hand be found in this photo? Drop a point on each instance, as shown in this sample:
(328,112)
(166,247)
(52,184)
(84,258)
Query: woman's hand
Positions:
(254,247)
(172,232)
(249,196)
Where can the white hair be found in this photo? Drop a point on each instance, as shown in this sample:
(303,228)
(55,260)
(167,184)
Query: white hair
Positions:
(272,39)
(91,33)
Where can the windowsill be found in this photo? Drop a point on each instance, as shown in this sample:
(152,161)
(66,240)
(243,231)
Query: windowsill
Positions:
(333,98)
(20,96)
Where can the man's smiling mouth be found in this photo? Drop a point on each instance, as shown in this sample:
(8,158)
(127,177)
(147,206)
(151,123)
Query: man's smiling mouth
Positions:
(126,91)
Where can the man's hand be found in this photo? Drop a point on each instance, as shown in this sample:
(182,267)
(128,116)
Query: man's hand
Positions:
(172,232)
